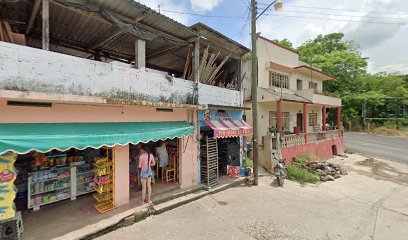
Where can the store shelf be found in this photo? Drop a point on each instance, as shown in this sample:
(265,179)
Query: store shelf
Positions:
(103,197)
(86,192)
(84,173)
(105,206)
(57,200)
(84,183)
(51,179)
(56,189)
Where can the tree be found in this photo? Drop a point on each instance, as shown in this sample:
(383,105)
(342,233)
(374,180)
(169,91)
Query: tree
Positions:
(285,43)
(336,57)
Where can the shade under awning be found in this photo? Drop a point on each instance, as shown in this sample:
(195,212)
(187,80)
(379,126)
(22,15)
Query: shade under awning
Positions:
(43,137)
(229,128)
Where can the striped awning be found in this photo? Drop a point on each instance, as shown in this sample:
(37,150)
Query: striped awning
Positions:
(229,128)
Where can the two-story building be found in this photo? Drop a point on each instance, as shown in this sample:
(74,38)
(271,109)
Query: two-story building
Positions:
(292,107)
(83,83)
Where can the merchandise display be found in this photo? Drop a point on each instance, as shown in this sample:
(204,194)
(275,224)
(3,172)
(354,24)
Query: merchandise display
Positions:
(58,177)
(103,182)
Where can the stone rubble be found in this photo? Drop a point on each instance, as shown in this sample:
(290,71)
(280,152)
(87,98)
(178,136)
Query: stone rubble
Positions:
(326,171)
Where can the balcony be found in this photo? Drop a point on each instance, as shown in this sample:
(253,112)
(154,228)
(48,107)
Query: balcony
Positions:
(319,97)
(293,140)
(29,69)
(213,95)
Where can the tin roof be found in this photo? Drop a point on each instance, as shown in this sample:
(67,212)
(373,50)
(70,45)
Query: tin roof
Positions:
(105,28)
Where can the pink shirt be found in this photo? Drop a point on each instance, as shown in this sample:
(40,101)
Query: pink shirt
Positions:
(144,161)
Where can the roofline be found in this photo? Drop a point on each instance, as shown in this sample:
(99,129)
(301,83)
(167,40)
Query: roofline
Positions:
(221,35)
(210,106)
(277,44)
(135,3)
(316,70)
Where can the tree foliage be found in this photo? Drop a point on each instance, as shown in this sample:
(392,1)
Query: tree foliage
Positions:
(341,59)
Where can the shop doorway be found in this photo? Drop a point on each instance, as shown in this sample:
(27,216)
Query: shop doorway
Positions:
(217,156)
(165,176)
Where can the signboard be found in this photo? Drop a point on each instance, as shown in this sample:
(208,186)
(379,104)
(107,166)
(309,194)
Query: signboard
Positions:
(7,189)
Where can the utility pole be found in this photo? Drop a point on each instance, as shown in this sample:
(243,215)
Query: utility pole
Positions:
(254,92)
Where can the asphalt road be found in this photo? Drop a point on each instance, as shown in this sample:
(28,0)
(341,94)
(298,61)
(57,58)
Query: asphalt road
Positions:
(390,148)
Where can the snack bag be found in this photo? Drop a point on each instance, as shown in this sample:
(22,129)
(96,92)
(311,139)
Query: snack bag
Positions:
(7,190)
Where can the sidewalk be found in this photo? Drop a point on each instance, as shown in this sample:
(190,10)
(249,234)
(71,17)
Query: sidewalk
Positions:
(368,203)
(161,203)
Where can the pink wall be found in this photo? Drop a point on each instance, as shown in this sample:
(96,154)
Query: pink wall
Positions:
(188,161)
(322,150)
(121,168)
(61,112)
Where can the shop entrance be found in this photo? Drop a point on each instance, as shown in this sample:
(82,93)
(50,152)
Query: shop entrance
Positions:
(217,156)
(165,175)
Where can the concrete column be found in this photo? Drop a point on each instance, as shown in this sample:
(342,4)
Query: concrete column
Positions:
(46,24)
(338,117)
(188,162)
(305,123)
(324,118)
(140,54)
(121,168)
(279,110)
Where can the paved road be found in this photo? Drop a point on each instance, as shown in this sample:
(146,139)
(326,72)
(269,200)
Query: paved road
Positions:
(367,204)
(391,148)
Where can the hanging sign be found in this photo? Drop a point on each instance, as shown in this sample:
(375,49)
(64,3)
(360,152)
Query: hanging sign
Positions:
(7,189)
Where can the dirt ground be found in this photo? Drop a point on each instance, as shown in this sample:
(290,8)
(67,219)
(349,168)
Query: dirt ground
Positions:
(371,202)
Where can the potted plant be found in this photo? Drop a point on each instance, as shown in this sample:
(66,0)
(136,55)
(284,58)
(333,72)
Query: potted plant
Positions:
(272,130)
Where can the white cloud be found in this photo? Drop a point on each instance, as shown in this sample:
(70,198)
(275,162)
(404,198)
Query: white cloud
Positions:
(169,5)
(383,43)
(204,5)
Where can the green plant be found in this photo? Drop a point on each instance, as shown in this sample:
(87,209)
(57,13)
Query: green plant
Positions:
(305,157)
(248,163)
(349,151)
(301,175)
(272,129)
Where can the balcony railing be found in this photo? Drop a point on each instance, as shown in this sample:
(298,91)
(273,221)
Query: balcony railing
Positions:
(324,93)
(293,140)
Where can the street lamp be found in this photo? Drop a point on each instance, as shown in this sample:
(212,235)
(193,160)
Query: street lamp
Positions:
(278,6)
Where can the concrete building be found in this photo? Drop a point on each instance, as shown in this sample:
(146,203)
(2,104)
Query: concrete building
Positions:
(292,105)
(100,65)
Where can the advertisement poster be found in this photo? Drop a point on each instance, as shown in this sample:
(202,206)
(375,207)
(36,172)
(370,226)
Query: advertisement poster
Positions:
(7,189)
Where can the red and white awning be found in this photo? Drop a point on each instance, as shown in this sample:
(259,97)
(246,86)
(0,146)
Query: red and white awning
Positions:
(229,128)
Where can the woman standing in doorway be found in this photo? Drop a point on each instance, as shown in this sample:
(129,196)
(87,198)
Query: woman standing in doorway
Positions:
(146,161)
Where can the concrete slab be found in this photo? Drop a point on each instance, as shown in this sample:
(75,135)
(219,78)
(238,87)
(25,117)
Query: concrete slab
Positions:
(355,206)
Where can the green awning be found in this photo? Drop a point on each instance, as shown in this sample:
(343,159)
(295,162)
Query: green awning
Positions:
(43,137)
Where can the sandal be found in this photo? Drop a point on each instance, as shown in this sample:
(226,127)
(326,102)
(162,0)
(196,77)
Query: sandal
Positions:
(141,202)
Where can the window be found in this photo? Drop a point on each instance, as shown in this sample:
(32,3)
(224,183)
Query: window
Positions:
(299,84)
(273,120)
(278,80)
(313,85)
(312,119)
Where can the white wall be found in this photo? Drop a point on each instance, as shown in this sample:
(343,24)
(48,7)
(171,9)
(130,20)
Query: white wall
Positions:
(24,68)
(208,94)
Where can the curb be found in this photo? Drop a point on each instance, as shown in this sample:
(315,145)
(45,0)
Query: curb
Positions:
(151,210)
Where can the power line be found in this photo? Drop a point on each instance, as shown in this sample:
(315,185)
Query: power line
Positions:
(342,15)
(245,24)
(202,15)
(330,19)
(345,10)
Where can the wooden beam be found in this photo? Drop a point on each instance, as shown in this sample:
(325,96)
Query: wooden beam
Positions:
(103,42)
(161,51)
(114,34)
(33,15)
(45,24)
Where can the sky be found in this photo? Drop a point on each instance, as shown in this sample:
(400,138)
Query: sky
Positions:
(379,27)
